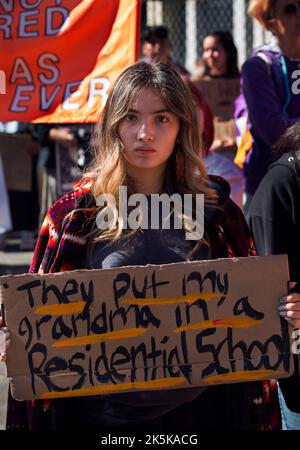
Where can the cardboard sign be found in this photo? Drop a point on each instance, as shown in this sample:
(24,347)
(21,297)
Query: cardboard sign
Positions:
(224,129)
(61,57)
(17,162)
(142,328)
(220,94)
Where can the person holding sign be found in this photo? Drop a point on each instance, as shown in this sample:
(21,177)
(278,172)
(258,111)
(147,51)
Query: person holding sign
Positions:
(156,46)
(149,144)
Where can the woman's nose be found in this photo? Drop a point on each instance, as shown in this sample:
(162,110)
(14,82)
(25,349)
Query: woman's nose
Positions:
(145,132)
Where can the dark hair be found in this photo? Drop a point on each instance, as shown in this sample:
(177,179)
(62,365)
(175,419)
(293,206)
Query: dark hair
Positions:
(155,33)
(226,40)
(288,142)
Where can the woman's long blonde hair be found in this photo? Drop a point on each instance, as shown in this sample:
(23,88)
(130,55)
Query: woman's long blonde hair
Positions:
(108,170)
(263,11)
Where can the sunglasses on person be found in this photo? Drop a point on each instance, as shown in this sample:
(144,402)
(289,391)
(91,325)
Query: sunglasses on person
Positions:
(291,9)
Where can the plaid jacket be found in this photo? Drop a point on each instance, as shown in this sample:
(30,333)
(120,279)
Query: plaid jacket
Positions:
(61,244)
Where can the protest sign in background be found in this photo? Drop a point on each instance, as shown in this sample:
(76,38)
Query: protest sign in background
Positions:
(146,327)
(60,58)
(15,151)
(220,94)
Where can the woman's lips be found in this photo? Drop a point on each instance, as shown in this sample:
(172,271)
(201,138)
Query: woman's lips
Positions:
(145,150)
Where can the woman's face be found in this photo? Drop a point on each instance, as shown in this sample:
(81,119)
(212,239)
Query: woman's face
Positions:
(214,56)
(287,18)
(148,132)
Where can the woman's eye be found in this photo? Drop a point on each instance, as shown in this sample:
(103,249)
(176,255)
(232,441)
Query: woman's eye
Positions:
(161,119)
(131,117)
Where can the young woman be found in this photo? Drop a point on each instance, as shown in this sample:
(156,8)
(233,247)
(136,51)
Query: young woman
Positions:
(274,217)
(269,84)
(220,57)
(149,141)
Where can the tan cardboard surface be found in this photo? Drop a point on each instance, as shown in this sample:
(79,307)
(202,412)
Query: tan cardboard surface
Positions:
(152,327)
(15,151)
(220,94)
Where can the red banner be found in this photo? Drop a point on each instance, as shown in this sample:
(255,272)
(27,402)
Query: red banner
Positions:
(60,58)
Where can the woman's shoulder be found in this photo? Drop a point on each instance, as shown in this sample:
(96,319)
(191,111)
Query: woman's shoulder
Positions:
(222,188)
(79,197)
(280,185)
(285,170)
(265,57)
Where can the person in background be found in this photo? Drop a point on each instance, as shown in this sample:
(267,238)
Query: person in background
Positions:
(216,164)
(274,219)
(5,214)
(219,58)
(149,141)
(268,77)
(156,46)
(72,137)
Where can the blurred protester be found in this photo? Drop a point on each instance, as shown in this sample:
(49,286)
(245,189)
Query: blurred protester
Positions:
(219,59)
(270,86)
(215,163)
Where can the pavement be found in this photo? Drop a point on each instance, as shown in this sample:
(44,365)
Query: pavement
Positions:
(13,259)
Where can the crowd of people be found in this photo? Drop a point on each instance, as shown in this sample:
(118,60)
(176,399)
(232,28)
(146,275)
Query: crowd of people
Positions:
(156,135)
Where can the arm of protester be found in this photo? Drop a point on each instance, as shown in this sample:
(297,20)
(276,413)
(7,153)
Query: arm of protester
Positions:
(219,144)
(63,136)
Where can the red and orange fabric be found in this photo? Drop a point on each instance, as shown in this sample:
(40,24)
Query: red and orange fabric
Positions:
(60,58)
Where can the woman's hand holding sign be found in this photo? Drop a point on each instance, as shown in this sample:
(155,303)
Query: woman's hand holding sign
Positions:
(290,309)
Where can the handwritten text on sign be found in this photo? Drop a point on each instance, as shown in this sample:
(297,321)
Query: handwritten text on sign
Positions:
(155,327)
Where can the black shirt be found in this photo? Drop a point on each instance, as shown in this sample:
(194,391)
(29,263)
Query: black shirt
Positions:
(149,246)
(274,214)
(274,219)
